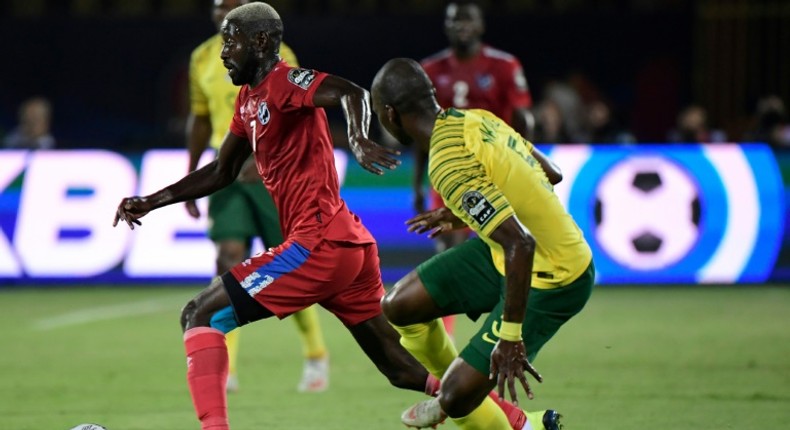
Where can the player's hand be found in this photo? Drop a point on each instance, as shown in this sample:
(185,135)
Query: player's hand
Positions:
(371,155)
(131,210)
(435,222)
(192,209)
(508,363)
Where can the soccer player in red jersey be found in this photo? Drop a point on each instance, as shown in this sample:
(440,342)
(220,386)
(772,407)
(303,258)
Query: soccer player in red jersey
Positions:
(471,74)
(328,256)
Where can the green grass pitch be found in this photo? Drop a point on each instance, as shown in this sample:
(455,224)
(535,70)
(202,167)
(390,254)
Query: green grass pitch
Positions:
(636,358)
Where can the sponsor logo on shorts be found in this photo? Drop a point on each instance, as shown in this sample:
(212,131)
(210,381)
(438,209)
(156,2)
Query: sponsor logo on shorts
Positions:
(265,282)
(301,77)
(495,330)
(247,282)
(476,205)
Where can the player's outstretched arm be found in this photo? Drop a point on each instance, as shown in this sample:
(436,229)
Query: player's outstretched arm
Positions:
(523,121)
(553,172)
(509,357)
(210,178)
(355,102)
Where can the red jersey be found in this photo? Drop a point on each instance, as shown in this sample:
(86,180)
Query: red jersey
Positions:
(492,80)
(292,146)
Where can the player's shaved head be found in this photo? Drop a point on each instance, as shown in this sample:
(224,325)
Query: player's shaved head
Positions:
(402,84)
(252,18)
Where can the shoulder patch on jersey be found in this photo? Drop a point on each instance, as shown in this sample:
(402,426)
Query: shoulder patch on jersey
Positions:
(477,206)
(301,77)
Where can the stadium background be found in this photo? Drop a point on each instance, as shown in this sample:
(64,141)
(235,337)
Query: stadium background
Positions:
(115,72)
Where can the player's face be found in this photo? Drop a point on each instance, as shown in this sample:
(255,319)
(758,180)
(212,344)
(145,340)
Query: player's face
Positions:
(389,119)
(236,54)
(463,24)
(221,8)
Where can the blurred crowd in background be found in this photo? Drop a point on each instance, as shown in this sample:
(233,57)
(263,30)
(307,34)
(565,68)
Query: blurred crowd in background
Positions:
(113,73)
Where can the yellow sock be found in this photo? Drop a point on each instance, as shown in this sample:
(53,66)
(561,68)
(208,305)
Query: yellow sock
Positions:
(430,345)
(232,341)
(487,416)
(310,332)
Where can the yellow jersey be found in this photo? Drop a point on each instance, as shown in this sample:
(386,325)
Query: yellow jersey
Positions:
(211,91)
(485,173)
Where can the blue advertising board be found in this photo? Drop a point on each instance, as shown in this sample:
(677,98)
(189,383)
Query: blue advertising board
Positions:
(653,214)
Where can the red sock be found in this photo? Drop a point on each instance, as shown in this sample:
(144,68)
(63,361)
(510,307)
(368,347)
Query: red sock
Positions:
(449,324)
(515,416)
(207,373)
(432,386)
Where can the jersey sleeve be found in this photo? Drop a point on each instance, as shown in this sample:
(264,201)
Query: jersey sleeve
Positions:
(237,124)
(516,87)
(295,88)
(467,190)
(198,101)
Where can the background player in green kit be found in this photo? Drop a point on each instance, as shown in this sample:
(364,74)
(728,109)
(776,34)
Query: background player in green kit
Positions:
(530,269)
(244,210)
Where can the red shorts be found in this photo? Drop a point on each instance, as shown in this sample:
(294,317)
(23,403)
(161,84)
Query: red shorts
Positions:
(343,278)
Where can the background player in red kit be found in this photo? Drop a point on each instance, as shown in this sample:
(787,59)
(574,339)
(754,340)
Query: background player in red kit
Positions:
(328,256)
(471,74)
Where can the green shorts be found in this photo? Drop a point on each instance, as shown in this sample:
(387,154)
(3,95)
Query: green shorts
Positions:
(464,280)
(242,211)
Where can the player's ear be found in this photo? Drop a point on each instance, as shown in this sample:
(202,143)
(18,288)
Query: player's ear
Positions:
(392,115)
(261,41)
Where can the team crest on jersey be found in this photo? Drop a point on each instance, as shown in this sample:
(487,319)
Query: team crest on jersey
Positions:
(263,113)
(485,81)
(477,206)
(302,78)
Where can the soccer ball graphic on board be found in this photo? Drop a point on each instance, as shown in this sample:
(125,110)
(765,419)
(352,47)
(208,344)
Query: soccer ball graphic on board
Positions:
(647,212)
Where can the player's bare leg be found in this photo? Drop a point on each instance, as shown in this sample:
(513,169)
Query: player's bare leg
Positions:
(230,253)
(413,312)
(207,356)
(380,342)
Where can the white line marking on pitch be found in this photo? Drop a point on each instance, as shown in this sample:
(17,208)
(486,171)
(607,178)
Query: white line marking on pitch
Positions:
(103,313)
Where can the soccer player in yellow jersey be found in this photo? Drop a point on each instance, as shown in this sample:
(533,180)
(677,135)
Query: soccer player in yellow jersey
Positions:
(530,269)
(236,212)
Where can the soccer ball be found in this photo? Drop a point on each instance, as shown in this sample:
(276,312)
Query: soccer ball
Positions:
(88,427)
(647,212)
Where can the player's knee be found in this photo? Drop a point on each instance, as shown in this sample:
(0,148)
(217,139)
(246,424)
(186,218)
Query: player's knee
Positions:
(407,379)
(192,315)
(393,306)
(453,403)
(187,314)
